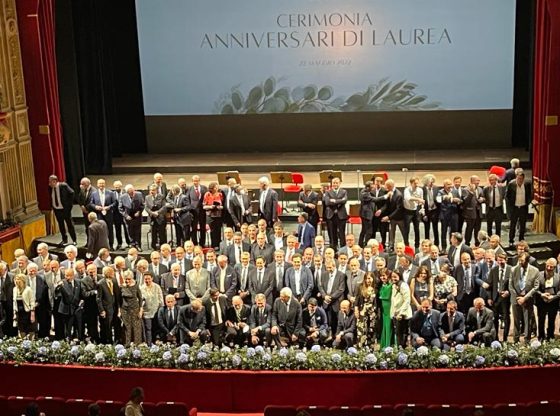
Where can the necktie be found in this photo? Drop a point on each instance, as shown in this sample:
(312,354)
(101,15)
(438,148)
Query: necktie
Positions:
(243,278)
(501,277)
(261,316)
(71,264)
(450,323)
(279,276)
(522,280)
(479,319)
(169,317)
(260,277)
(467,280)
(56,200)
(197,192)
(216,317)
(121,280)
(238,253)
(493,197)
(330,284)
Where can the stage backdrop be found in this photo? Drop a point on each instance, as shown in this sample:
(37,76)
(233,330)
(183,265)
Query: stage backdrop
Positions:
(217,72)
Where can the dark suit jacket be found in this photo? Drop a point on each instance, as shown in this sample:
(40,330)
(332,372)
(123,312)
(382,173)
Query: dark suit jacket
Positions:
(84,197)
(367,204)
(487,195)
(238,212)
(320,319)
(98,236)
(255,319)
(337,291)
(306,281)
(168,289)
(169,326)
(306,235)
(471,207)
(511,191)
(230,252)
(230,281)
(208,306)
(265,287)
(458,327)
(289,320)
(129,206)
(270,212)
(41,293)
(156,208)
(335,204)
(163,188)
(463,249)
(346,324)
(194,202)
(312,198)
(162,269)
(89,293)
(434,192)
(8,288)
(245,314)
(493,280)
(239,271)
(447,208)
(267,252)
(66,195)
(110,202)
(190,320)
(459,275)
(70,297)
(417,321)
(184,215)
(395,207)
(105,301)
(486,324)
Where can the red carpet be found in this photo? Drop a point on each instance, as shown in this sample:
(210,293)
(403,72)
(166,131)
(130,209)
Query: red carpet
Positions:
(251,391)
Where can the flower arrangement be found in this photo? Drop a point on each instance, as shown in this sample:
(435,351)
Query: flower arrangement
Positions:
(200,357)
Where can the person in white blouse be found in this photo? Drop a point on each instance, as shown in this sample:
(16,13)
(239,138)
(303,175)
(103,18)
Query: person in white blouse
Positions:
(401,311)
(24,306)
(153,300)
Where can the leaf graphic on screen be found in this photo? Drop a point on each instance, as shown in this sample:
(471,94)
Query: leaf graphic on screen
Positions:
(269,97)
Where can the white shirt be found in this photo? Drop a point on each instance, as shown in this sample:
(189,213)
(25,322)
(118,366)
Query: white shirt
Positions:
(520,195)
(409,193)
(55,195)
(263,199)
(297,278)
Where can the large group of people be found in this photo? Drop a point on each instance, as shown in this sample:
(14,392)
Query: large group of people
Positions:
(256,284)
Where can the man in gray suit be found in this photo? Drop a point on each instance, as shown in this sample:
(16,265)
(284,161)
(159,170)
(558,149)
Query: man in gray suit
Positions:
(98,235)
(480,323)
(300,280)
(498,279)
(286,319)
(354,277)
(224,278)
(268,202)
(260,321)
(346,328)
(547,297)
(261,280)
(192,323)
(335,212)
(198,281)
(262,249)
(523,285)
(174,283)
(243,269)
(331,292)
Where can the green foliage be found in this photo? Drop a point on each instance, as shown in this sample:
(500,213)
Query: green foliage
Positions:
(268,97)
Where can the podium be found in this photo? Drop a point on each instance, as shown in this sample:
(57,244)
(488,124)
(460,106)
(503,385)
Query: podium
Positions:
(224,176)
(281,177)
(326,176)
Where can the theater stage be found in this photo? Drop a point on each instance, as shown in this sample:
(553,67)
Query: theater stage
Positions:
(251,391)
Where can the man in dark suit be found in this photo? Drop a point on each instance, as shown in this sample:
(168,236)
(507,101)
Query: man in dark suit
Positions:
(161,186)
(173,283)
(156,268)
(546,300)
(335,212)
(331,292)
(156,208)
(103,203)
(518,196)
(167,317)
(62,199)
(472,209)
(118,219)
(240,207)
(43,255)
(192,323)
(131,207)
(493,195)
(216,314)
(7,300)
(346,328)
(262,249)
(42,305)
(498,280)
(452,326)
(448,202)
(234,251)
(300,280)
(277,273)
(108,304)
(260,280)
(268,203)
(378,191)
(98,235)
(69,307)
(305,231)
(224,278)
(237,322)
(480,323)
(315,325)
(523,285)
(84,200)
(260,321)
(431,208)
(425,326)
(89,287)
(367,208)
(458,247)
(195,196)
(243,270)
(286,319)
(308,200)
(394,212)
(465,275)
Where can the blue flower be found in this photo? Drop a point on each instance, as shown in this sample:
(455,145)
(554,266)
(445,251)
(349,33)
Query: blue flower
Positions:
(12,350)
(259,349)
(422,351)
(42,350)
(100,357)
(459,348)
(119,347)
(336,358)
(383,365)
(55,345)
(388,350)
(267,357)
(236,360)
(26,344)
(535,344)
(136,353)
(495,345)
(183,358)
(225,349)
(154,349)
(301,357)
(479,360)
(201,355)
(184,348)
(512,354)
(251,352)
(75,350)
(315,348)
(370,359)
(283,352)
(402,358)
(443,359)
(352,351)
(121,353)
(167,355)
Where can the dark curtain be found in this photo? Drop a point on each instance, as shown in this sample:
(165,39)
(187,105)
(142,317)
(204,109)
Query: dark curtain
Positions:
(103,96)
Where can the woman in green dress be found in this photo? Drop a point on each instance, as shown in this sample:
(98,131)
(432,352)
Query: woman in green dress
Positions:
(385,292)
(365,309)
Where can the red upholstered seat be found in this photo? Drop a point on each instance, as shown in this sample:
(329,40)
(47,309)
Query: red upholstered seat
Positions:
(543,408)
(280,411)
(468,409)
(419,409)
(354,220)
(444,410)
(294,187)
(110,407)
(509,409)
(345,411)
(149,408)
(315,410)
(77,406)
(378,410)
(279,209)
(381,248)
(171,409)
(15,405)
(51,405)
(497,170)
(409,251)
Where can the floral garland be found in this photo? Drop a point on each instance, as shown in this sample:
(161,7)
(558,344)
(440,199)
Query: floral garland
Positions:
(204,357)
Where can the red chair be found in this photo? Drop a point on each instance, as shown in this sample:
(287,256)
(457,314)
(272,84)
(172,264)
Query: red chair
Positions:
(314,410)
(352,221)
(543,408)
(468,409)
(51,405)
(497,170)
(345,411)
(110,407)
(378,410)
(149,408)
(443,410)
(77,406)
(381,248)
(15,406)
(419,409)
(279,209)
(280,411)
(409,251)
(509,409)
(171,409)
(294,187)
